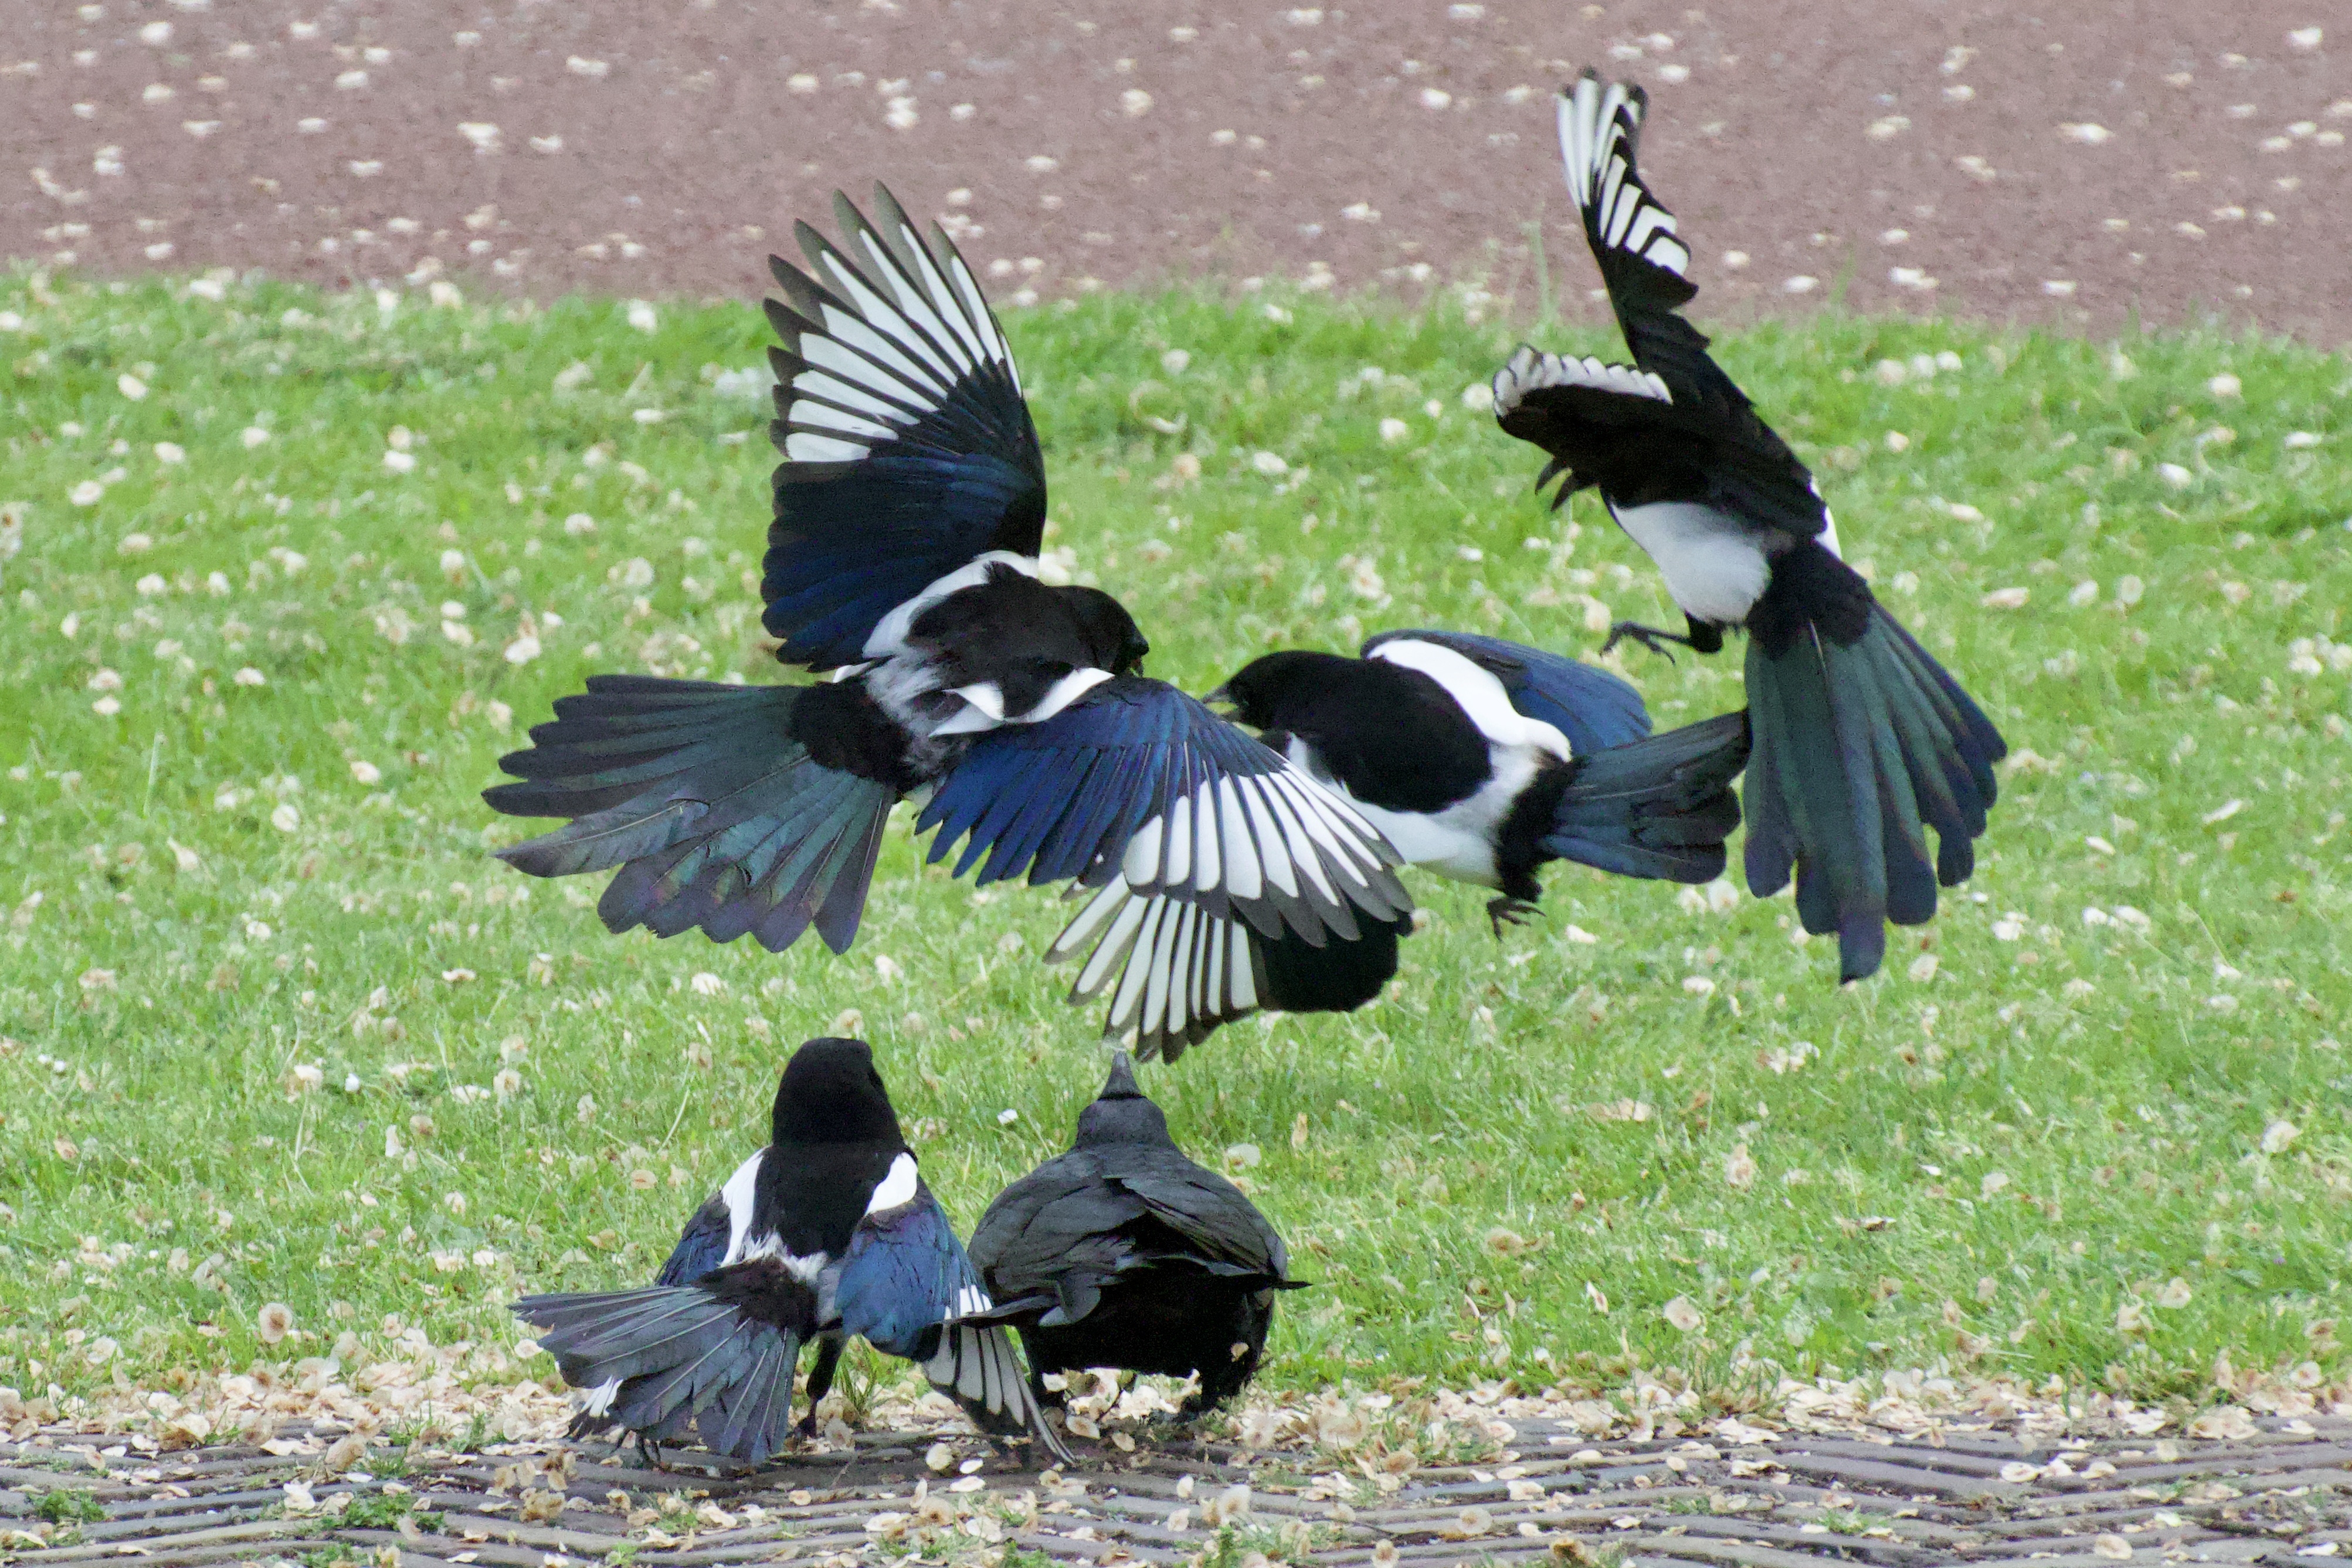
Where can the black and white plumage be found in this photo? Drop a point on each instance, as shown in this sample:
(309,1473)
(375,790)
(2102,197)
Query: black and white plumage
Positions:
(910,510)
(828,1232)
(1859,737)
(1483,760)
(1124,1253)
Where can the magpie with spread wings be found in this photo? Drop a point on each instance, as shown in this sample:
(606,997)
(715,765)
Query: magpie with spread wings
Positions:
(1479,759)
(910,510)
(825,1232)
(1485,759)
(1860,738)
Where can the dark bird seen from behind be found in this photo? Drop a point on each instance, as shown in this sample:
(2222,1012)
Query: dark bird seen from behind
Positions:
(903,560)
(1124,1253)
(1859,736)
(827,1232)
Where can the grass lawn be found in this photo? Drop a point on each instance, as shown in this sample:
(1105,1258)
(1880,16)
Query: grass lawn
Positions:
(295,570)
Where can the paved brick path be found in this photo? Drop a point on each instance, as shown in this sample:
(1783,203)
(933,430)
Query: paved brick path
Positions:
(1975,1495)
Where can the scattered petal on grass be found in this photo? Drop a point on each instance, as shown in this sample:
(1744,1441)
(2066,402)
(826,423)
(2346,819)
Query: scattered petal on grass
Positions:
(90,492)
(248,676)
(131,386)
(1740,1168)
(2278,1135)
(2222,813)
(1683,1315)
(1394,430)
(2225,386)
(275,1322)
(286,818)
(366,772)
(1923,968)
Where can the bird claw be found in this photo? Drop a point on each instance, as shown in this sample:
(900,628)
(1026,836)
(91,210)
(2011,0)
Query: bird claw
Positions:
(1508,911)
(1650,638)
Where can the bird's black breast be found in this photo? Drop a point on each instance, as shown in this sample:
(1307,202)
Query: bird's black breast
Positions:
(1393,736)
(812,1195)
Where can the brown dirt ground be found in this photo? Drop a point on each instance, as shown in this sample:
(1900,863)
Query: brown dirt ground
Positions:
(633,149)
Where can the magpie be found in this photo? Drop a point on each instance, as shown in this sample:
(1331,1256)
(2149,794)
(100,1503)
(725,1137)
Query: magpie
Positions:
(902,562)
(1124,1253)
(1484,760)
(1859,737)
(825,1232)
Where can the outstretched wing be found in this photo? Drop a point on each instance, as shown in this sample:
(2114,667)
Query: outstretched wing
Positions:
(904,1285)
(908,449)
(1672,425)
(1140,783)
(1592,707)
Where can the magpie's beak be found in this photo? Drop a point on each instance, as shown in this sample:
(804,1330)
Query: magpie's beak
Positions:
(1222,694)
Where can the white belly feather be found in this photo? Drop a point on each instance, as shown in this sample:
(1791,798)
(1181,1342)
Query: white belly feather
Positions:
(1714,569)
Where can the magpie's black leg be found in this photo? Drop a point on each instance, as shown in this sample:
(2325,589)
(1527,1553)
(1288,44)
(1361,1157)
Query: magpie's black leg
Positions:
(819,1383)
(1047,1398)
(1508,911)
(1706,637)
(650,1452)
(1650,637)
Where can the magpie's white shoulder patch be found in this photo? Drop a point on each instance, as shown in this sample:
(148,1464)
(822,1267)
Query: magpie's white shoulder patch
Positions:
(1477,692)
(896,1188)
(1528,370)
(889,633)
(738,1195)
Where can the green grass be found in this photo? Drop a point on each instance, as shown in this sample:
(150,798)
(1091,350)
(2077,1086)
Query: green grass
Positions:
(2000,1164)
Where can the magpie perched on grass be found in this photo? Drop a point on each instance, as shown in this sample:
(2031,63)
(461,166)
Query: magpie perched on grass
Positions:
(1124,1253)
(910,510)
(827,1232)
(1859,737)
(1483,760)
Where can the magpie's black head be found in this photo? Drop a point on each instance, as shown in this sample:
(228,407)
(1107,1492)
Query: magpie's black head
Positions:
(831,1094)
(1111,636)
(1265,690)
(1121,1115)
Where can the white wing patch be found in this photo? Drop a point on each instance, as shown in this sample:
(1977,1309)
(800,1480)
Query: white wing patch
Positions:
(897,353)
(896,1189)
(1598,127)
(1529,371)
(738,1194)
(1174,970)
(598,1400)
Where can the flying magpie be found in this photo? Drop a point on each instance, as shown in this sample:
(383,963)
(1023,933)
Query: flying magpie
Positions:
(1860,736)
(910,510)
(1484,760)
(827,1232)
(1124,1253)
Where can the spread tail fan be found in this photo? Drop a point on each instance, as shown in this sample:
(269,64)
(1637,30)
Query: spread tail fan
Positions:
(1660,807)
(1861,738)
(720,1354)
(709,799)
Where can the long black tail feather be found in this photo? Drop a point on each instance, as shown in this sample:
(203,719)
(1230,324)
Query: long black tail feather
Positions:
(1861,740)
(1659,808)
(679,1356)
(714,810)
